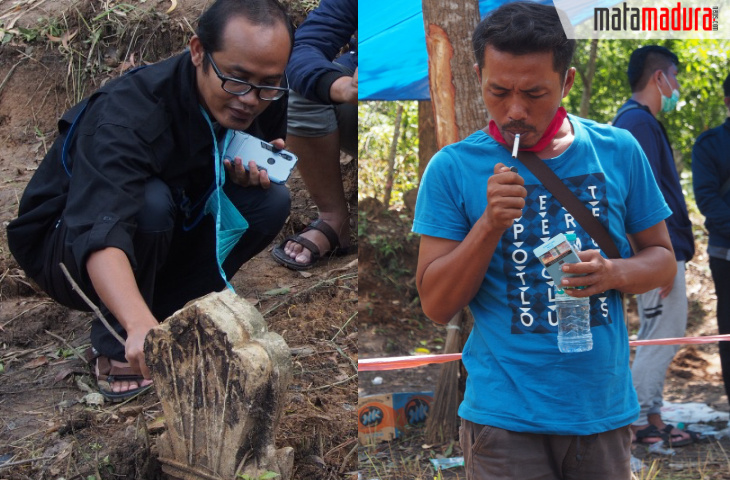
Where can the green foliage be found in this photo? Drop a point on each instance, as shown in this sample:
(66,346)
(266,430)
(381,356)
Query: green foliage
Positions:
(264,476)
(375,135)
(385,246)
(703,67)
(65,353)
(362,224)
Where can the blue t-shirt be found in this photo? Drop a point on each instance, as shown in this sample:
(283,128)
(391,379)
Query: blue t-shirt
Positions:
(517,378)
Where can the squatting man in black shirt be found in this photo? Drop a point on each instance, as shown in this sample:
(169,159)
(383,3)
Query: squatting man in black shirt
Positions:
(123,197)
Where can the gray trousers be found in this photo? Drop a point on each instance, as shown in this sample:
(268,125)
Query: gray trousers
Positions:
(660,318)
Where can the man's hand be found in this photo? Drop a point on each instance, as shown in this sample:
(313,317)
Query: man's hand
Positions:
(134,347)
(505,197)
(652,266)
(599,274)
(666,290)
(344,90)
(253,177)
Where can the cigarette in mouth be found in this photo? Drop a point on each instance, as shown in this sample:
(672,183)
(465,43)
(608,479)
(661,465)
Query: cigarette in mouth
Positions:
(514,150)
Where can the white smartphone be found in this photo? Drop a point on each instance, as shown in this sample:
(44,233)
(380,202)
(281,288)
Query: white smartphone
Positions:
(553,254)
(277,163)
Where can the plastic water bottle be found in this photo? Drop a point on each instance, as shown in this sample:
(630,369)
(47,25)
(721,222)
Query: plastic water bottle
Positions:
(574,319)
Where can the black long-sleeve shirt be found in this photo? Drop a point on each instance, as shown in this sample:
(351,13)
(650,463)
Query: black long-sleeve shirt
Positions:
(147,123)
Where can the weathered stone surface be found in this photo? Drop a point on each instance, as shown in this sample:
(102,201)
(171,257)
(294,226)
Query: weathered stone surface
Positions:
(221,377)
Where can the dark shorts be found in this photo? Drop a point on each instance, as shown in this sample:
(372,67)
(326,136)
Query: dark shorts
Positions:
(311,119)
(494,453)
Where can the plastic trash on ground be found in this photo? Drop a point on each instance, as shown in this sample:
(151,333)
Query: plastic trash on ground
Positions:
(444,463)
(692,412)
(636,465)
(658,448)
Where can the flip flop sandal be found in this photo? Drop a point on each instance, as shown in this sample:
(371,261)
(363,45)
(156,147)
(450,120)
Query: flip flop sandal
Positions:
(321,226)
(681,442)
(651,431)
(107,374)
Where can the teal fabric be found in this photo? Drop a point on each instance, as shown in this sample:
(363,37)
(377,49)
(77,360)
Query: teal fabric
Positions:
(229,223)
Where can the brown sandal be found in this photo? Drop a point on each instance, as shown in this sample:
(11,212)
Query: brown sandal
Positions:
(107,373)
(321,226)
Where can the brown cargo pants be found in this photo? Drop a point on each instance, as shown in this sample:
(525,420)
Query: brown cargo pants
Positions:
(494,453)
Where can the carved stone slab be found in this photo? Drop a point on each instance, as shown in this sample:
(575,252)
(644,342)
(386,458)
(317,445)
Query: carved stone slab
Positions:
(221,377)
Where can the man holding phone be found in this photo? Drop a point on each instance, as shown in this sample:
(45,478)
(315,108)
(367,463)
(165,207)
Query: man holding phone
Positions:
(128,196)
(564,415)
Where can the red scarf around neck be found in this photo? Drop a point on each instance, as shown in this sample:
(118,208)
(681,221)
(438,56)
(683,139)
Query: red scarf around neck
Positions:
(546,138)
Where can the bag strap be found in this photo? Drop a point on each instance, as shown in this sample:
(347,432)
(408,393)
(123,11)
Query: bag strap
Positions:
(582,215)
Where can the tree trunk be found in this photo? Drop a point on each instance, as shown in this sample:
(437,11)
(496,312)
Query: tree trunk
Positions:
(455,93)
(585,100)
(427,145)
(391,157)
(459,111)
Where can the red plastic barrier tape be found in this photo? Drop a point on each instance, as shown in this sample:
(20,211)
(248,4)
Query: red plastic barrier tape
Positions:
(681,340)
(396,363)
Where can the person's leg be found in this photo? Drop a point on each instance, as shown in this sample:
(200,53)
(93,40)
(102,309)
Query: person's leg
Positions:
(721,276)
(347,125)
(191,270)
(491,452)
(313,135)
(155,224)
(605,456)
(319,166)
(151,241)
(660,318)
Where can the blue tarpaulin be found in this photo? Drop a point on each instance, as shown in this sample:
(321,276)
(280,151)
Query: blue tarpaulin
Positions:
(393,63)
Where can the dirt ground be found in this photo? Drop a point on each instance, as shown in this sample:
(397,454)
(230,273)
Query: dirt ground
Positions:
(45,432)
(392,324)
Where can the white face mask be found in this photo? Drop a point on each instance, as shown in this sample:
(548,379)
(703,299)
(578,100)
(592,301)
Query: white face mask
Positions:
(669,103)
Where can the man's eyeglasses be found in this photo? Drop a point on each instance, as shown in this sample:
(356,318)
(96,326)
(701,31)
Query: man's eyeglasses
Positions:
(234,86)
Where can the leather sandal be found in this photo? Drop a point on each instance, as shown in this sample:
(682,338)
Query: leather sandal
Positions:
(646,434)
(321,226)
(107,374)
(681,440)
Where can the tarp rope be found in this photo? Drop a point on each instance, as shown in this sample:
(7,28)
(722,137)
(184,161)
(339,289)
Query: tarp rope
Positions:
(397,363)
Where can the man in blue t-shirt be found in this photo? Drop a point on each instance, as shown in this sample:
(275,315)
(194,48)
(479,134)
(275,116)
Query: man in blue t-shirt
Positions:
(562,415)
(652,74)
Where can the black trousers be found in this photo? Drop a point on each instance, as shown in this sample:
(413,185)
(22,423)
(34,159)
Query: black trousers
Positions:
(174,265)
(721,276)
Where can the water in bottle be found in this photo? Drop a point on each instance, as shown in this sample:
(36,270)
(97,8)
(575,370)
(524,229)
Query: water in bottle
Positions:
(574,323)
(574,317)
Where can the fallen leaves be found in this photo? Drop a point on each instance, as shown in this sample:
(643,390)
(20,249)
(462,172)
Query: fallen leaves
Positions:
(36,362)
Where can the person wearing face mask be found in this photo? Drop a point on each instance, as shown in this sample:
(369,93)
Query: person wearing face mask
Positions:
(652,75)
